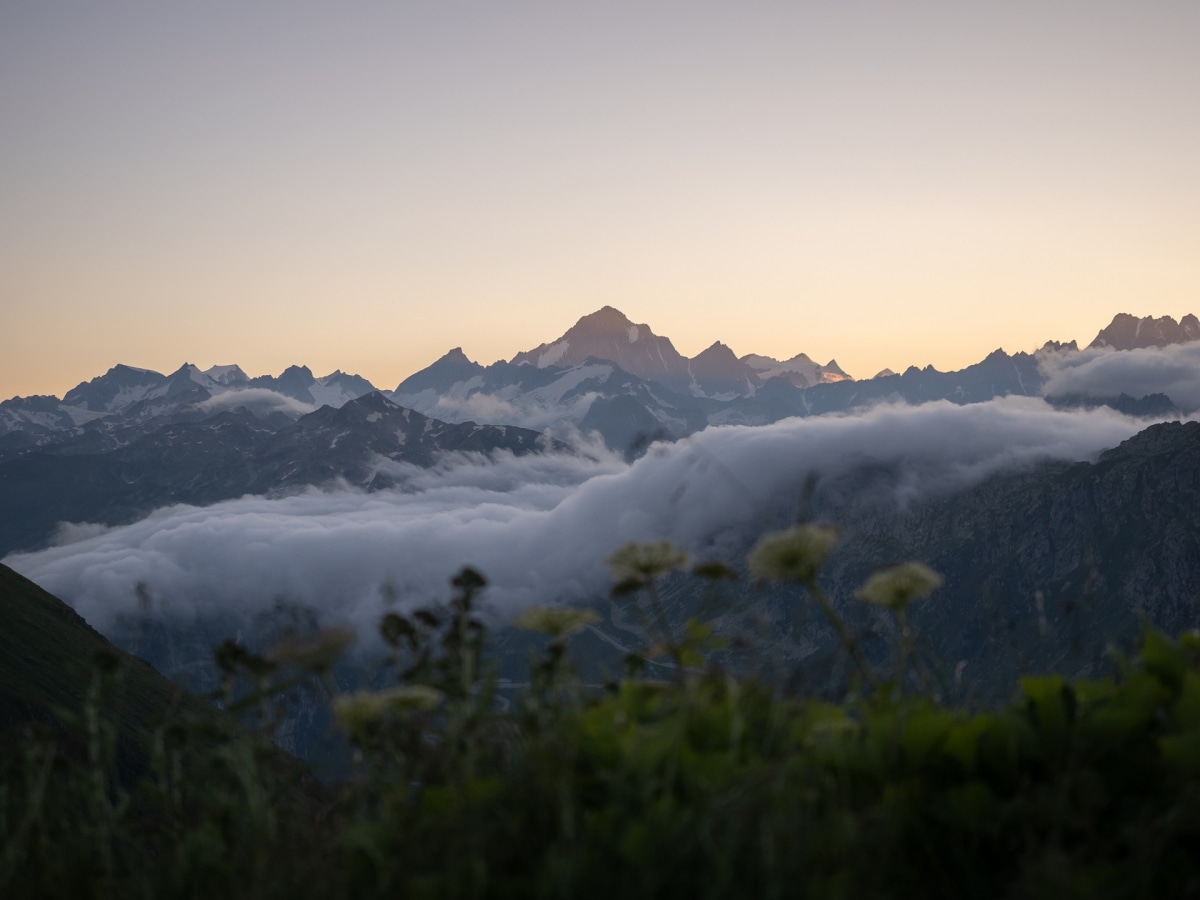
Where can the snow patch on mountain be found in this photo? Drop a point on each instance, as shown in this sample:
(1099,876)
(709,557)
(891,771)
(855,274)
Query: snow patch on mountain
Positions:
(553,355)
(801,370)
(331,395)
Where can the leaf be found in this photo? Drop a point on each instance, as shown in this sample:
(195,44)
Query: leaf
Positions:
(1164,658)
(924,732)
(1051,707)
(1183,751)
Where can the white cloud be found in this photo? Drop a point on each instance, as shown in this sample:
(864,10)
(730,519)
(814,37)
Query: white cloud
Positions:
(74,532)
(522,410)
(1172,370)
(260,401)
(539,527)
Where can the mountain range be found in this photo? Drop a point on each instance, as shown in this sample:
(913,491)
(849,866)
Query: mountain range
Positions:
(131,440)
(227,455)
(1042,565)
(605,373)
(620,379)
(1127,332)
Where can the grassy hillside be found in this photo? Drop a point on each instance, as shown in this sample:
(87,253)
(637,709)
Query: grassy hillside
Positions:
(49,659)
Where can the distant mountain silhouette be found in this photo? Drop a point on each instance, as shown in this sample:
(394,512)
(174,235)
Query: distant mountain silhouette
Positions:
(1127,332)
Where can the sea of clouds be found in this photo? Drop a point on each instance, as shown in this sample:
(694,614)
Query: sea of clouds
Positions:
(539,527)
(1172,370)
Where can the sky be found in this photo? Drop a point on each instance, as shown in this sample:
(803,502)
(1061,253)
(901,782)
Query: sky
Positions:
(363,186)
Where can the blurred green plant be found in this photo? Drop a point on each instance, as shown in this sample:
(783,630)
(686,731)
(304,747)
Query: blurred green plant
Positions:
(701,785)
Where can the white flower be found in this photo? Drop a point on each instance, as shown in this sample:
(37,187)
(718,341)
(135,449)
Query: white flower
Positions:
(792,555)
(641,562)
(895,587)
(317,652)
(556,621)
(365,707)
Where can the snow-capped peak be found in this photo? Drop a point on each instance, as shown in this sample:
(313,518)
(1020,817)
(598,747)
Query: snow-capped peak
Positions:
(227,375)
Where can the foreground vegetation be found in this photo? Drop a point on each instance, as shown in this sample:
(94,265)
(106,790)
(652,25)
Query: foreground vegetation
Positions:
(694,783)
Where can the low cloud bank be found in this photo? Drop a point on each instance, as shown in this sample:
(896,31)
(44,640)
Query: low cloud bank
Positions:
(1173,370)
(260,401)
(506,408)
(539,527)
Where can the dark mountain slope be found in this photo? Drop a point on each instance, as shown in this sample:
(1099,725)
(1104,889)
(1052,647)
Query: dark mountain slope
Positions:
(1043,569)
(46,663)
(342,443)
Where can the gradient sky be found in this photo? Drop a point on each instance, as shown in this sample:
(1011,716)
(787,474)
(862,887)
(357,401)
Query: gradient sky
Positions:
(366,185)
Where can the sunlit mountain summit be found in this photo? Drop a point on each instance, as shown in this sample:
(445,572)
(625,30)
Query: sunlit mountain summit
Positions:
(608,334)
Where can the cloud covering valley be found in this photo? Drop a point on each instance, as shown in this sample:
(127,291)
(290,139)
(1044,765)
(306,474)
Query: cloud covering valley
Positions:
(539,527)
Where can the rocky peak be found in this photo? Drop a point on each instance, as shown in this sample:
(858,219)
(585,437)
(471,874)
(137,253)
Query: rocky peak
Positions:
(372,402)
(717,371)
(117,388)
(605,319)
(1058,347)
(450,369)
(186,378)
(1127,332)
(717,352)
(230,376)
(608,334)
(801,370)
(831,369)
(297,373)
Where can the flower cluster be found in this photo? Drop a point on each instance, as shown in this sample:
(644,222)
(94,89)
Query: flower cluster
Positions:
(364,708)
(642,562)
(795,554)
(895,587)
(556,621)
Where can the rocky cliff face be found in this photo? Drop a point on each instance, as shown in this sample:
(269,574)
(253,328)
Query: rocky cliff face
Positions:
(1043,568)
